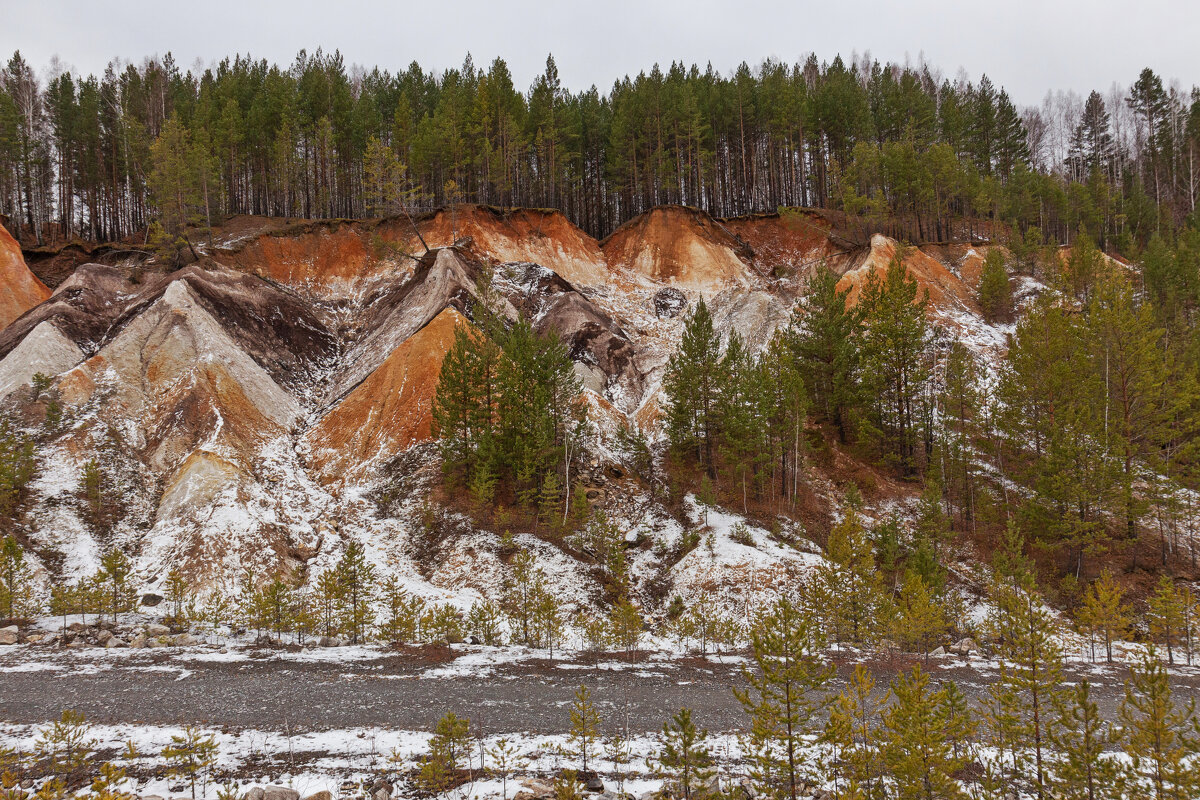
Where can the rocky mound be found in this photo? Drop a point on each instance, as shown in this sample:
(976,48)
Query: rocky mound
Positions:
(603,352)
(20,290)
(184,381)
(683,247)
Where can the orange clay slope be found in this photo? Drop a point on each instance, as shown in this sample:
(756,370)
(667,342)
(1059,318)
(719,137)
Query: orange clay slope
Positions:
(20,290)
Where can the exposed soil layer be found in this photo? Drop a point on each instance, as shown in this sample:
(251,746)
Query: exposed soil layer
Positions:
(680,246)
(538,236)
(20,290)
(792,244)
(389,411)
(946,290)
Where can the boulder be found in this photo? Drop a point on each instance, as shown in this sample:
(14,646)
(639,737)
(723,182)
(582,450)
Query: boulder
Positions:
(535,789)
(154,629)
(150,797)
(9,635)
(103,636)
(150,599)
(328,641)
(591,782)
(77,627)
(35,638)
(185,640)
(254,793)
(321,795)
(669,302)
(966,646)
(115,642)
(941,651)
(280,793)
(138,642)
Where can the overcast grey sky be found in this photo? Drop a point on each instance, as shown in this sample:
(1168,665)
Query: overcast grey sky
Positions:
(1028,46)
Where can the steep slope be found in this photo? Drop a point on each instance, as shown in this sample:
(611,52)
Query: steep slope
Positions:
(946,290)
(273,401)
(185,381)
(20,290)
(389,411)
(682,247)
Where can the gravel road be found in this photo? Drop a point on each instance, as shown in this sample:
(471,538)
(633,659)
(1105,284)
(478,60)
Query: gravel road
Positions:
(409,691)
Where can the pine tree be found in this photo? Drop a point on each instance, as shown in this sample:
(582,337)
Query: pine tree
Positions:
(550,621)
(449,751)
(65,745)
(522,592)
(1031,667)
(113,575)
(178,596)
(191,755)
(921,620)
(1083,769)
(16,582)
(585,726)
(484,621)
(1158,732)
(692,386)
(784,697)
(894,335)
(625,623)
(995,289)
(1105,612)
(1165,616)
(399,622)
(918,757)
(823,335)
(356,578)
(684,759)
(852,580)
(851,731)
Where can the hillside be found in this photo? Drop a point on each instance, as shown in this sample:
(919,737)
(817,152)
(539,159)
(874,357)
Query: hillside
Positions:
(271,403)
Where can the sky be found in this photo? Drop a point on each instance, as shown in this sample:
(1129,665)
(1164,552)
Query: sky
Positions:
(1027,46)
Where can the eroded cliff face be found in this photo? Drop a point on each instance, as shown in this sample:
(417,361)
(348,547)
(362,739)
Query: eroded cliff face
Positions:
(247,409)
(20,290)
